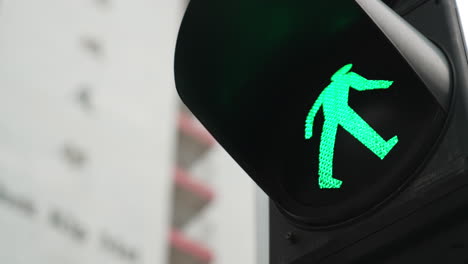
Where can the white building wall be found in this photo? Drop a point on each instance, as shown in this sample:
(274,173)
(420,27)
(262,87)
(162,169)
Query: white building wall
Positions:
(235,241)
(87,110)
(228,225)
(87,138)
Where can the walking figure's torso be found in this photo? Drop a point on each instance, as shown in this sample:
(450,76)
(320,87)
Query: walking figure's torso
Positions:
(339,92)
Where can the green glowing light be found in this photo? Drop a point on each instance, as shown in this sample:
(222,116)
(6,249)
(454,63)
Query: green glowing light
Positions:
(334,100)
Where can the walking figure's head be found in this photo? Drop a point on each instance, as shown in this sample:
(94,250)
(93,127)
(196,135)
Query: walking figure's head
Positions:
(341,72)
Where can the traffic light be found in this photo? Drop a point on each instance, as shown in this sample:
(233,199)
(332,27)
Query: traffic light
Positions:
(350,118)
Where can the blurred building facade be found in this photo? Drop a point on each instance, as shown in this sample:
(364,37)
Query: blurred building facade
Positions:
(213,212)
(99,160)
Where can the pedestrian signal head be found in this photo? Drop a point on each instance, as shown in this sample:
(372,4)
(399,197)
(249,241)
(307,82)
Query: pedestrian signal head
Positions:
(247,78)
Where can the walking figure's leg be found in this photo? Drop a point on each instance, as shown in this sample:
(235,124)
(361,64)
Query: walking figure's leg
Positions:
(363,132)
(327,147)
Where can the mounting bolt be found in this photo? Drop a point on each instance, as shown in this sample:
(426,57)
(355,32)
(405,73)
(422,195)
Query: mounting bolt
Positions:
(291,237)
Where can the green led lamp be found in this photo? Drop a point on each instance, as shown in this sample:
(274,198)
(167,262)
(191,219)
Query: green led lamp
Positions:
(334,100)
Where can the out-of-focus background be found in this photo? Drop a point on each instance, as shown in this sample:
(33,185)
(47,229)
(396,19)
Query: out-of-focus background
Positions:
(99,160)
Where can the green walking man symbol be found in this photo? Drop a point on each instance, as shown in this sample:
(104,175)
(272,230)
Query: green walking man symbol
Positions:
(334,100)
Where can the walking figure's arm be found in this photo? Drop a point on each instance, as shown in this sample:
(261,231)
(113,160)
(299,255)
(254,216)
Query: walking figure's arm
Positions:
(311,116)
(362,84)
